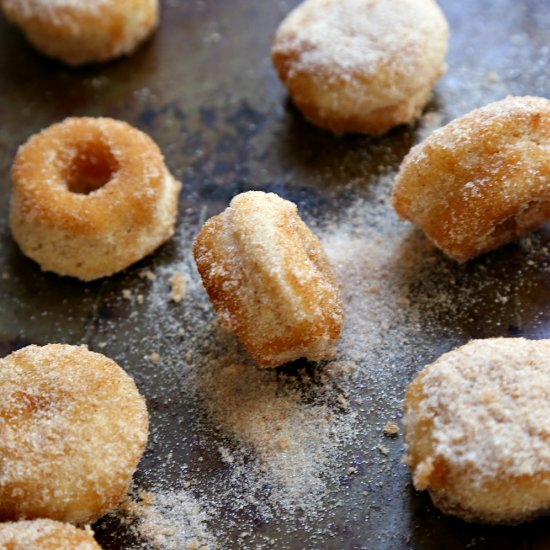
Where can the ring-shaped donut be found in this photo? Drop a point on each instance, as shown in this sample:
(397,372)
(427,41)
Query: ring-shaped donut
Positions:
(90,197)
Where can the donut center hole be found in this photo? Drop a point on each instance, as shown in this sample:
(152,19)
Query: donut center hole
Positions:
(92,167)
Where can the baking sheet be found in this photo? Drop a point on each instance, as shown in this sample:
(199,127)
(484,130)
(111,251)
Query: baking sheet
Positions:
(204,89)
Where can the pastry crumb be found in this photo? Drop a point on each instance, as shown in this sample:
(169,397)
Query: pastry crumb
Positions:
(383,449)
(147,274)
(391,429)
(179,285)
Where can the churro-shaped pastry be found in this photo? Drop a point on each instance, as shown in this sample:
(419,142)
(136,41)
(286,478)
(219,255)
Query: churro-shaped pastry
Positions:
(83,31)
(73,427)
(269,280)
(482,180)
(90,197)
(45,534)
(361,65)
(477,430)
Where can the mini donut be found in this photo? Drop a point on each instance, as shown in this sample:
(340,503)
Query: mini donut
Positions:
(477,430)
(45,534)
(269,280)
(90,197)
(482,180)
(361,65)
(73,427)
(83,31)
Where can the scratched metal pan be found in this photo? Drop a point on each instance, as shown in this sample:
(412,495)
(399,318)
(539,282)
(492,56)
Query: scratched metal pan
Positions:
(205,90)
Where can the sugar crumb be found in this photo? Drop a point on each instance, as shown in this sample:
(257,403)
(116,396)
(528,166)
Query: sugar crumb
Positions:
(178,287)
(391,429)
(147,274)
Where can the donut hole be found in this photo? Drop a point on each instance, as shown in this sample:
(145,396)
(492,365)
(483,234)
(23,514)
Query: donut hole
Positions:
(92,167)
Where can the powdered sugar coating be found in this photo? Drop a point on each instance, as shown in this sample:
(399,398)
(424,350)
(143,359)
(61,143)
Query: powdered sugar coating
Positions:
(477,427)
(72,430)
(482,180)
(361,65)
(269,280)
(45,534)
(80,31)
(30,8)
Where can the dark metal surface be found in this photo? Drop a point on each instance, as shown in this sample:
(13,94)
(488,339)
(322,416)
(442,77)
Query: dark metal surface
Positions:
(204,89)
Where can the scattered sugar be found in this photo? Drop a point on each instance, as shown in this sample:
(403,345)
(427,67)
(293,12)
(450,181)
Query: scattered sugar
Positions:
(169,521)
(278,441)
(285,420)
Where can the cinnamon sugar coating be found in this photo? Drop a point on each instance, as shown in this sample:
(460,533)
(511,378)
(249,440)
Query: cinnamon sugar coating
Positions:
(90,197)
(45,534)
(361,65)
(73,427)
(269,280)
(477,430)
(482,180)
(83,31)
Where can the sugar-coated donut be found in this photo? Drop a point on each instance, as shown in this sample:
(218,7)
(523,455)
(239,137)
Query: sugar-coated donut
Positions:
(83,31)
(482,180)
(73,427)
(477,430)
(361,65)
(269,280)
(45,534)
(90,197)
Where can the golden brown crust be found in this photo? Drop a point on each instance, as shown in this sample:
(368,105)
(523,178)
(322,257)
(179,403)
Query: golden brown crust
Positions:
(482,180)
(90,197)
(269,280)
(361,65)
(476,428)
(45,534)
(80,31)
(73,427)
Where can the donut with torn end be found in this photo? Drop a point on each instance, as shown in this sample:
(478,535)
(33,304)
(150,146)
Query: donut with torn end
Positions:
(361,65)
(477,430)
(90,197)
(83,31)
(481,181)
(45,534)
(73,427)
(269,280)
